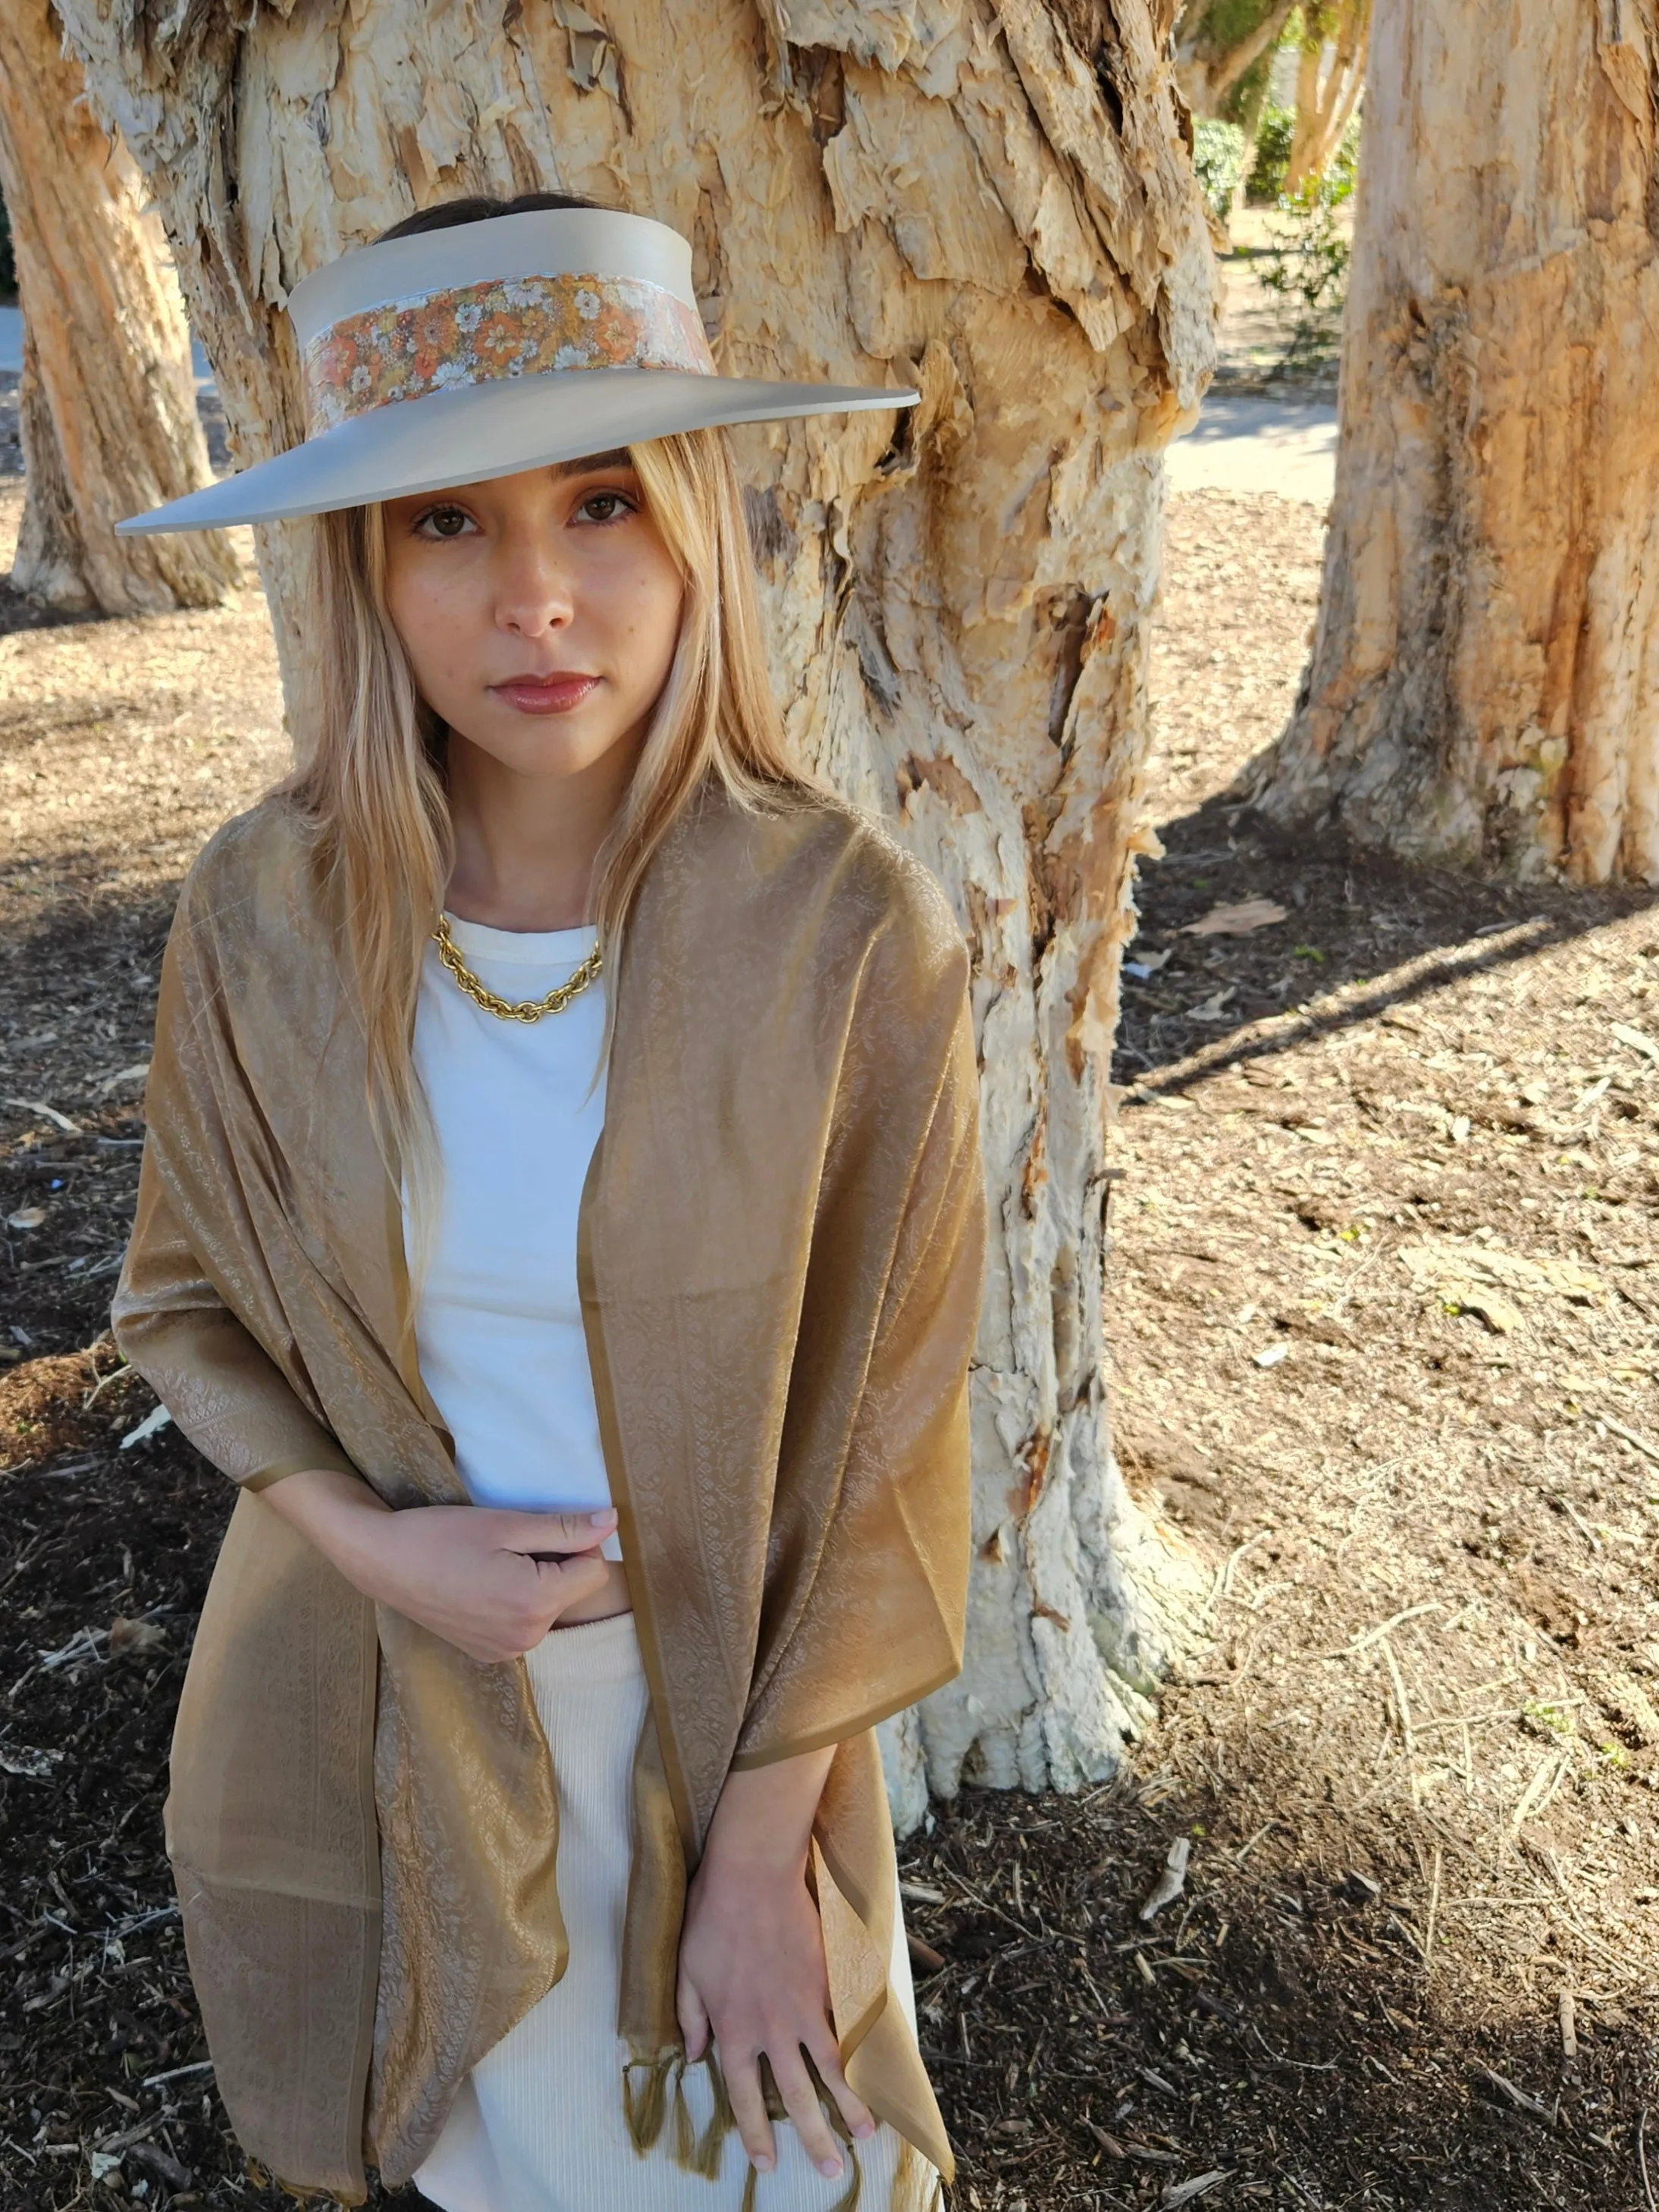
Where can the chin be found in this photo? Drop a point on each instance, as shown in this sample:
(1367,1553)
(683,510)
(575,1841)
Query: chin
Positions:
(556,746)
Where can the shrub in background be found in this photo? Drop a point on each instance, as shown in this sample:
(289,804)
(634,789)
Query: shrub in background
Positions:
(1273,155)
(1219,152)
(1307,265)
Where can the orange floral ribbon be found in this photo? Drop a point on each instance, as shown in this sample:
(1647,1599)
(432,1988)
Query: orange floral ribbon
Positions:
(509,326)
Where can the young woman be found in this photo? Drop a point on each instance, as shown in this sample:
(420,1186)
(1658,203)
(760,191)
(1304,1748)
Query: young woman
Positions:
(561,1217)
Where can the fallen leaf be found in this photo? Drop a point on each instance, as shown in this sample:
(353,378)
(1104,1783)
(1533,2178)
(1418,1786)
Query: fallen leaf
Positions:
(124,1079)
(29,1217)
(1183,2193)
(136,1637)
(1213,1009)
(1149,966)
(1172,1881)
(1236,921)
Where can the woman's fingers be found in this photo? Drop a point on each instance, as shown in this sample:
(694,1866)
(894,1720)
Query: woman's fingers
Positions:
(800,2101)
(742,2086)
(563,1579)
(549,1533)
(826,2056)
(693,2016)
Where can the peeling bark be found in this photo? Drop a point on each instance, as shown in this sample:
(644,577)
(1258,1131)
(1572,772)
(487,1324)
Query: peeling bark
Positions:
(996,202)
(1484,688)
(109,402)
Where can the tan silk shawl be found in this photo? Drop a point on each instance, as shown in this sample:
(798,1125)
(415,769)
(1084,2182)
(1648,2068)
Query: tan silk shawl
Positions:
(781,1251)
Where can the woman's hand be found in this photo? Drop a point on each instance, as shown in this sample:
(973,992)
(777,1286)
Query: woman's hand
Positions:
(491,1583)
(752,1965)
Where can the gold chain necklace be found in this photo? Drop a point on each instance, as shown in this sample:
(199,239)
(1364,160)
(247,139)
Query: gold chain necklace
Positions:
(510,1010)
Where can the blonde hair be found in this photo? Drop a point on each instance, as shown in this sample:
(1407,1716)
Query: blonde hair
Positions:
(371,785)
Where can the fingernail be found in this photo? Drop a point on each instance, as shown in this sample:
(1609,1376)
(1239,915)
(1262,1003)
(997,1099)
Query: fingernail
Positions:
(865,2130)
(599,1520)
(830,2168)
(763,2161)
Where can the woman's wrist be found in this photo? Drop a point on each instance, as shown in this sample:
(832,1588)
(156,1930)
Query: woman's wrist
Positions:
(340,1515)
(762,1825)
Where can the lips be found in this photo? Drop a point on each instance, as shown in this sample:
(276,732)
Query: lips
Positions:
(545,695)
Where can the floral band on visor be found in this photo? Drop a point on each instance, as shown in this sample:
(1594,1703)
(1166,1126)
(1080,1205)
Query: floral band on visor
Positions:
(509,326)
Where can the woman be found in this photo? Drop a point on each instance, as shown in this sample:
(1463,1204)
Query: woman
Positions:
(526,1809)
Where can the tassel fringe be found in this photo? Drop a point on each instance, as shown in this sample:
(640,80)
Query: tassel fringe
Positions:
(296,2192)
(654,2089)
(644,2103)
(916,2183)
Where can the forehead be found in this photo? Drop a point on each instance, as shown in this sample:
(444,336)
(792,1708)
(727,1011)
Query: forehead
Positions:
(588,464)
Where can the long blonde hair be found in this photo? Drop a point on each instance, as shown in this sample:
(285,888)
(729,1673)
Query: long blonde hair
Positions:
(371,783)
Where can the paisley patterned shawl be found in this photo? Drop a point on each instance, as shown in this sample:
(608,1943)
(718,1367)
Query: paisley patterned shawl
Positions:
(781,1250)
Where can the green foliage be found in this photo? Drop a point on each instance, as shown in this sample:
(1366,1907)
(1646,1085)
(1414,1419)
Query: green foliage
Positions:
(1273,155)
(1227,24)
(1308,263)
(1249,96)
(1218,152)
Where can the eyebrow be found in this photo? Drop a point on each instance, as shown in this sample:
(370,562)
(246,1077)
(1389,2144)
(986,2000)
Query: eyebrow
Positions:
(588,463)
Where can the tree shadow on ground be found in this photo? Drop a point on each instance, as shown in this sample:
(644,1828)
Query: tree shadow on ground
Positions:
(1362,937)
(1276,2023)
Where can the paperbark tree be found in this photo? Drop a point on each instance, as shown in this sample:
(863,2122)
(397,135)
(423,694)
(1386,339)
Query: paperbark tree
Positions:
(1219,42)
(995,201)
(1330,73)
(108,412)
(1484,688)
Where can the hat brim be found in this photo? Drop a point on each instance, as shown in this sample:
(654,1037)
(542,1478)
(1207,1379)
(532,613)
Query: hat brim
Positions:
(494,429)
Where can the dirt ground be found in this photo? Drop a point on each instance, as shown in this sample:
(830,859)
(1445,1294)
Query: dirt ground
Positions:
(1382,1346)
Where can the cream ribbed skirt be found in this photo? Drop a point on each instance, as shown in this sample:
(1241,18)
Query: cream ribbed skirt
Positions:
(538,2126)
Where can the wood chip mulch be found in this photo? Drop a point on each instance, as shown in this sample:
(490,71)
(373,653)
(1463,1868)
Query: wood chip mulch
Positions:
(1396,1140)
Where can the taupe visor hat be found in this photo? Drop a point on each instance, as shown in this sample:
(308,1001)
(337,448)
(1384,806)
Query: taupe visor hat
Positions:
(470,352)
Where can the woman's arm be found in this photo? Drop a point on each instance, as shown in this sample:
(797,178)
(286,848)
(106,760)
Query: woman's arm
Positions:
(751,1959)
(489,1581)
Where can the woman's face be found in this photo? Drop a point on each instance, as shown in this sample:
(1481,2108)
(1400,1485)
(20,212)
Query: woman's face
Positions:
(540,612)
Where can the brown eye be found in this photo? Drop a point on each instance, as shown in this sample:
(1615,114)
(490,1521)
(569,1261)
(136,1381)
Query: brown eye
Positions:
(606,507)
(442,522)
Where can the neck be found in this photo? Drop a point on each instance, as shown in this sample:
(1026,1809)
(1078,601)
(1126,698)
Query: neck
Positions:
(526,845)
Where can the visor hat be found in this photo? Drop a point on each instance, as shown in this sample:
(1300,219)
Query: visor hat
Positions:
(485,348)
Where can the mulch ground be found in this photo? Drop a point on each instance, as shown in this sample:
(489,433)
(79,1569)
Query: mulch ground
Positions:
(1383,1354)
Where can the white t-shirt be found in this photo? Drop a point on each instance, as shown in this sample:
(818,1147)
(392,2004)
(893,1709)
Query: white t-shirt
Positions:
(518,1108)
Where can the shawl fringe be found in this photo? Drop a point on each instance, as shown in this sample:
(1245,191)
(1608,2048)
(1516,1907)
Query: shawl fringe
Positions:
(653,2088)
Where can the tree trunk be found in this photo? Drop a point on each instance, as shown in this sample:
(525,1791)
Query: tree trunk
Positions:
(997,203)
(1484,688)
(1215,46)
(109,406)
(47,564)
(1327,92)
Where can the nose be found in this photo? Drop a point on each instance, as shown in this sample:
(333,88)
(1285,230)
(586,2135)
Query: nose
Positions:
(534,588)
